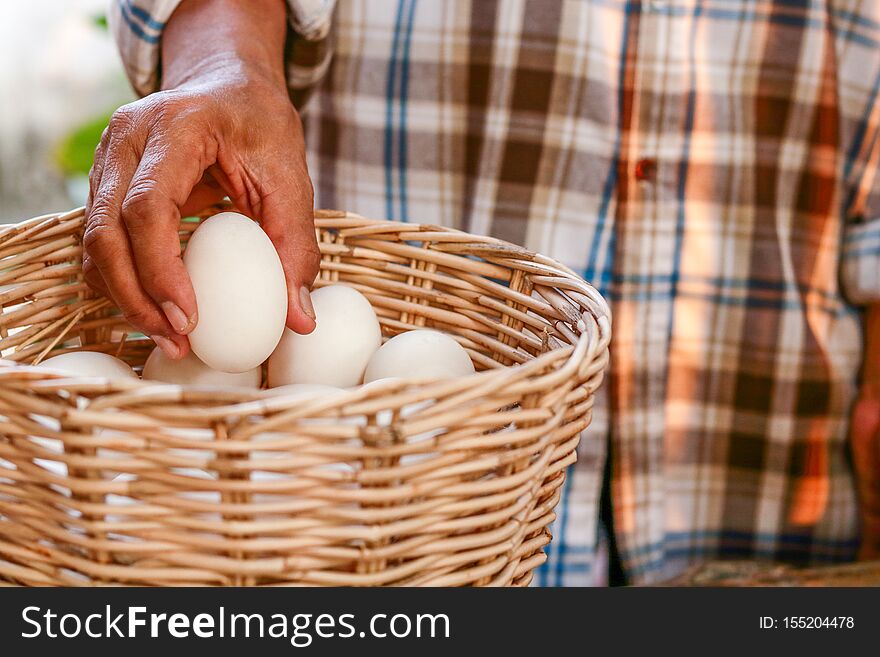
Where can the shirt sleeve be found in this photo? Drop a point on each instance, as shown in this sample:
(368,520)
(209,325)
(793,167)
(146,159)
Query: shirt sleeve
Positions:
(860,262)
(138,29)
(138,26)
(860,253)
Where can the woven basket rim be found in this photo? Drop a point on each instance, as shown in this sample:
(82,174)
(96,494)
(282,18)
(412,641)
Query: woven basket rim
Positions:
(602,319)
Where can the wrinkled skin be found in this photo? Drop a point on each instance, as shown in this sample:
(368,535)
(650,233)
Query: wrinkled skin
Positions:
(224,126)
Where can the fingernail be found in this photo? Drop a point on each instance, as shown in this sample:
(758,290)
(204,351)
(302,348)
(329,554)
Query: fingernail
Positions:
(305,302)
(178,319)
(167,346)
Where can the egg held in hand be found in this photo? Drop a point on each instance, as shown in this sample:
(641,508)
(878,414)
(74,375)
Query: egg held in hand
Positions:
(347,333)
(190,369)
(421,354)
(241,293)
(90,364)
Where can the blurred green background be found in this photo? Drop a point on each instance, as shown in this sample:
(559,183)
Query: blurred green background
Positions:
(60,79)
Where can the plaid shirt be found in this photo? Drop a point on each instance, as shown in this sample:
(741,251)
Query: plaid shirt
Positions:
(710,165)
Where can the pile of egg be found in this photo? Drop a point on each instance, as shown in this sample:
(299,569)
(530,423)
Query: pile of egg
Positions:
(242,297)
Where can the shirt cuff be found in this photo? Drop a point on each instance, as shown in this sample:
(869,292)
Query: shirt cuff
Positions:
(138,29)
(860,262)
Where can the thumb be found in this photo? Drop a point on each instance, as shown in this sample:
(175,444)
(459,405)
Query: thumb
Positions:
(287,216)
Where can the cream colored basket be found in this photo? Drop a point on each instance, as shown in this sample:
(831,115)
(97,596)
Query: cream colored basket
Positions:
(406,483)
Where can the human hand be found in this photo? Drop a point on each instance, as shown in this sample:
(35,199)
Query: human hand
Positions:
(223,126)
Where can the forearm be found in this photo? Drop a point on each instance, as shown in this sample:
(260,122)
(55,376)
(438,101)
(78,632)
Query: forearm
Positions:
(229,37)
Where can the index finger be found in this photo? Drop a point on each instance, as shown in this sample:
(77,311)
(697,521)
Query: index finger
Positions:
(108,251)
(161,185)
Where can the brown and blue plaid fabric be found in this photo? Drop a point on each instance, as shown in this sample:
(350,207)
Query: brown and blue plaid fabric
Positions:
(710,165)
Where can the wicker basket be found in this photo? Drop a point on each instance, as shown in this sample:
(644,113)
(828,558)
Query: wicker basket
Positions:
(402,483)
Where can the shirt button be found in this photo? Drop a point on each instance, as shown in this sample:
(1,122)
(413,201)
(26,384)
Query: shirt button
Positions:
(646,170)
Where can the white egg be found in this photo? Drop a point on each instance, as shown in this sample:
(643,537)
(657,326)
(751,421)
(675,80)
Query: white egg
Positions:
(90,364)
(308,392)
(337,351)
(192,451)
(57,468)
(194,435)
(240,292)
(122,501)
(419,354)
(190,369)
(385,417)
(304,390)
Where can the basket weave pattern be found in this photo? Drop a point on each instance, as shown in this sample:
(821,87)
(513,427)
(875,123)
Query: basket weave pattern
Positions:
(402,483)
